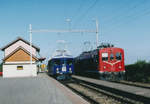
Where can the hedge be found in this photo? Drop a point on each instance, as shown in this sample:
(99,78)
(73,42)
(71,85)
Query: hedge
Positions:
(1,68)
(138,72)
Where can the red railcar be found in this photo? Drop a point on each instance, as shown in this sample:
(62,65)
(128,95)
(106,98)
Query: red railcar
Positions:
(105,62)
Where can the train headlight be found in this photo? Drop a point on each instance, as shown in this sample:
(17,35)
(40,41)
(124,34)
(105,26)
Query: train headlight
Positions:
(104,67)
(101,72)
(119,67)
(57,70)
(70,70)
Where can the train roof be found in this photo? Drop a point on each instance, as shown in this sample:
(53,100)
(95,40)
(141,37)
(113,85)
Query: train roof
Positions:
(88,54)
(61,54)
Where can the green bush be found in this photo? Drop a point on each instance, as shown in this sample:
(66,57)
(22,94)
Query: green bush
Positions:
(1,68)
(139,71)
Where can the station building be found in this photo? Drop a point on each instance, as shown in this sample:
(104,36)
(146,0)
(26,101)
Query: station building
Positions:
(16,61)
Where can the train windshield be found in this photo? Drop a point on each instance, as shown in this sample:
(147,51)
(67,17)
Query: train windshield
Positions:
(104,56)
(69,61)
(57,62)
(111,56)
(118,56)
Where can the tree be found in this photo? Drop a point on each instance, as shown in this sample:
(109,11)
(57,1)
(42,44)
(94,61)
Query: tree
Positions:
(1,67)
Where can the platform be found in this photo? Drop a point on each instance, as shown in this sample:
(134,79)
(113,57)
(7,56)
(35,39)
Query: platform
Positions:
(36,90)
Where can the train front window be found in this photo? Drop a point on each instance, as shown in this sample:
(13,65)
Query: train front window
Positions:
(57,62)
(104,56)
(69,62)
(118,56)
(111,56)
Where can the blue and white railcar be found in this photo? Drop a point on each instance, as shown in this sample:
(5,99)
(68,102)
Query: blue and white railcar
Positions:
(61,66)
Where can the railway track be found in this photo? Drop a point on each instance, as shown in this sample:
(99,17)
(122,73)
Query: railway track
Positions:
(136,84)
(100,95)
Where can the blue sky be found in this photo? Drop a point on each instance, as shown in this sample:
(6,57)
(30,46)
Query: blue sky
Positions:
(124,23)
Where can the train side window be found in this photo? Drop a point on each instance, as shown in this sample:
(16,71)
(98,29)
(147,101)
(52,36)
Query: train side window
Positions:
(104,56)
(95,59)
(118,56)
(111,56)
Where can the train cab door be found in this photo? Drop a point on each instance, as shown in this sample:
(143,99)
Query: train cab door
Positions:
(119,55)
(111,60)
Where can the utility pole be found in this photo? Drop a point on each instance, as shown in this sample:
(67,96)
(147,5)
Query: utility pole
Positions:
(97,40)
(69,23)
(30,30)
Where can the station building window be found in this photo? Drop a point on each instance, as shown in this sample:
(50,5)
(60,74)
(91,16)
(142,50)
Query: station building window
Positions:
(19,67)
